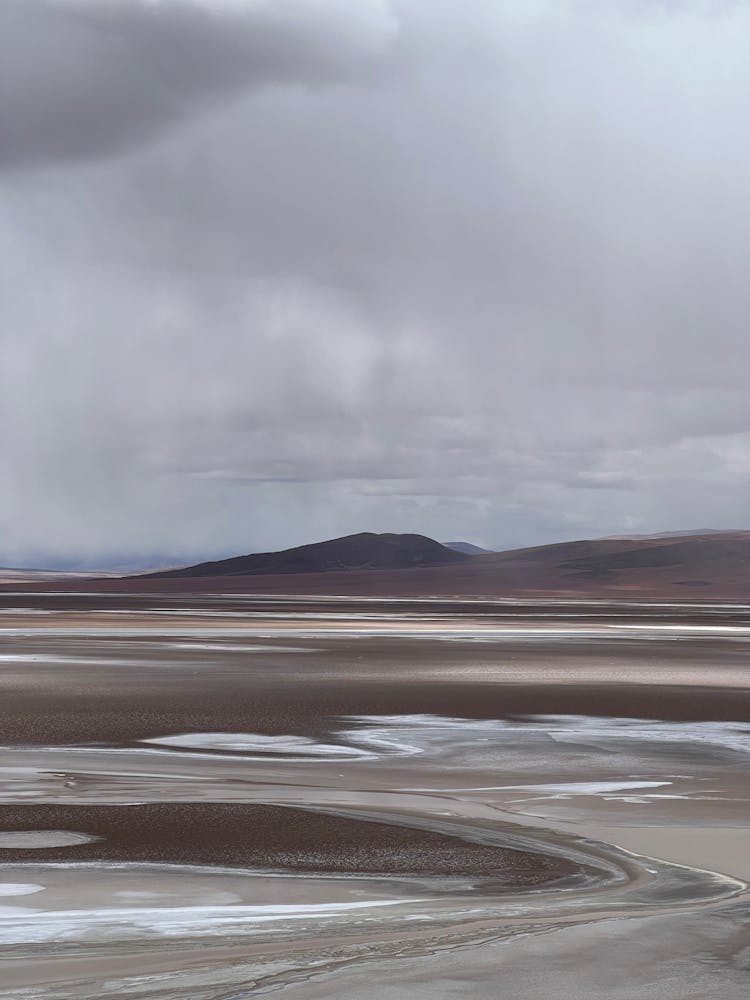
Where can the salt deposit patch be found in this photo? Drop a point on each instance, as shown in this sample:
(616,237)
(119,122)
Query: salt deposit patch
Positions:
(35,839)
(301,747)
(19,925)
(434,734)
(221,647)
(19,888)
(573,787)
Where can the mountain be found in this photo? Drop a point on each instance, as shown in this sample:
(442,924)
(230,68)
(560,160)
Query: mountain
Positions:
(364,551)
(712,560)
(712,566)
(467,548)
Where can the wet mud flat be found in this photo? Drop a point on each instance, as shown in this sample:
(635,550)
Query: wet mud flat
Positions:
(80,669)
(343,799)
(274,837)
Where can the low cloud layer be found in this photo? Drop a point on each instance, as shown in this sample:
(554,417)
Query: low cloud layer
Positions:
(276,271)
(93,78)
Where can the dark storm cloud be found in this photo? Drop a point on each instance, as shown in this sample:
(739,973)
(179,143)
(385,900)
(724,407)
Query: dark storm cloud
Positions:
(87,78)
(471,270)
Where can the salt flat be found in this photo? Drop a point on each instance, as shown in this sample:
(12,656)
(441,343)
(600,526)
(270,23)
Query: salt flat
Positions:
(433,794)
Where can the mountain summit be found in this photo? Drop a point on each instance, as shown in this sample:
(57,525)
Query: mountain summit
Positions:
(365,550)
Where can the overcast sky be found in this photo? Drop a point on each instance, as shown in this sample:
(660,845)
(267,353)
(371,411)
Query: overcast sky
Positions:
(279,270)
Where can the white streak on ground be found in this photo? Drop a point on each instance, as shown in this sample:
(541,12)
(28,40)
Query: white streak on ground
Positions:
(21,925)
(34,839)
(19,888)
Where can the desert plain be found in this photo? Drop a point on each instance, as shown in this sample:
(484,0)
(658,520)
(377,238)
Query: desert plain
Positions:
(227,795)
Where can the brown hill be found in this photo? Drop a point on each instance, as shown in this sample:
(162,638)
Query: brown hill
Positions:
(715,563)
(363,551)
(709,567)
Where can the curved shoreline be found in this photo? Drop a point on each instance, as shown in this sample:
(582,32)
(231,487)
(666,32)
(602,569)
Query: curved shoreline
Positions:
(590,878)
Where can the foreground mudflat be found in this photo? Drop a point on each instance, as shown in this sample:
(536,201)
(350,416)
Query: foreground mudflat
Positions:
(313,791)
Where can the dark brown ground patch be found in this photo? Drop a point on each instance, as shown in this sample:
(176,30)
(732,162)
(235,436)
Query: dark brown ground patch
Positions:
(90,697)
(264,836)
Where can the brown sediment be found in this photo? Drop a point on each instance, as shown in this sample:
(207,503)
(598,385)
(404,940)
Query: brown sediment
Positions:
(68,689)
(65,720)
(164,691)
(264,836)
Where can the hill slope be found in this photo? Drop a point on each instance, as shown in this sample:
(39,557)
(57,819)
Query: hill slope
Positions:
(714,566)
(364,551)
(659,564)
(711,566)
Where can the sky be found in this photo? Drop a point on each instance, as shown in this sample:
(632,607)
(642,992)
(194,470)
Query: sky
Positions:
(273,271)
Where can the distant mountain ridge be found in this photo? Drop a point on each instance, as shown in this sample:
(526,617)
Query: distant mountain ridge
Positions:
(363,551)
(468,548)
(684,566)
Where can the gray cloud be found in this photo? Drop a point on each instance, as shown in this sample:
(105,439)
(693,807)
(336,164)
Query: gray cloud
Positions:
(477,273)
(90,78)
